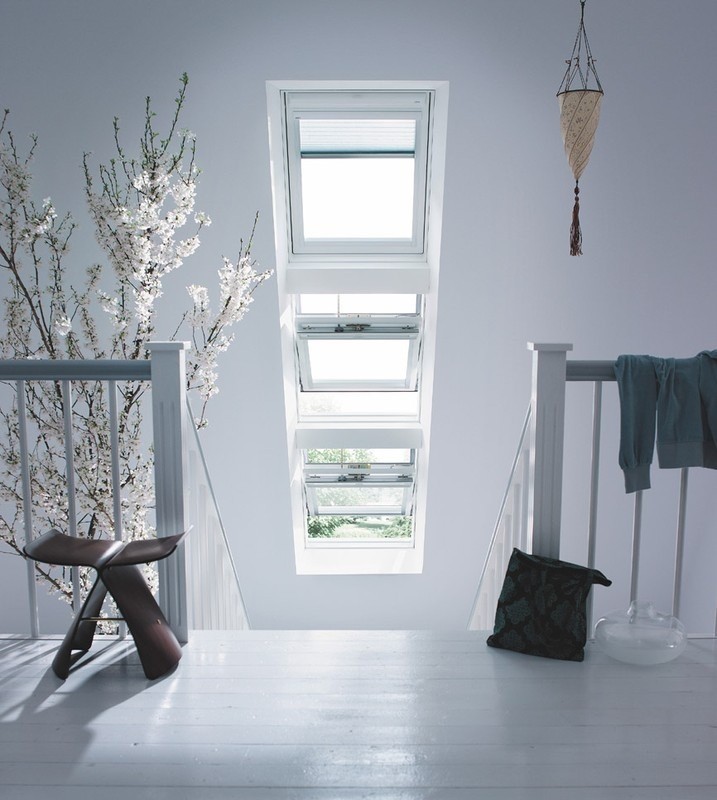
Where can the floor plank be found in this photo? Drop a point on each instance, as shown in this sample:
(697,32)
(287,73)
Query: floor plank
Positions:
(352,714)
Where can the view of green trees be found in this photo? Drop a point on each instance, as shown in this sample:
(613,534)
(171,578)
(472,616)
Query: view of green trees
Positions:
(387,527)
(339,456)
(355,526)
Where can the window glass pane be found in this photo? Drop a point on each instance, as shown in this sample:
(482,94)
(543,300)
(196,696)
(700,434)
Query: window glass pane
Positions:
(358,404)
(359,527)
(358,359)
(318,303)
(387,498)
(357,198)
(383,455)
(377,303)
(336,304)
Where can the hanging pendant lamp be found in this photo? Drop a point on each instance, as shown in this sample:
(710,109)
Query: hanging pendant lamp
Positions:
(579,99)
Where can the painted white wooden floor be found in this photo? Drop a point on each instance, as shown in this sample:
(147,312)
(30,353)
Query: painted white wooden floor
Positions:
(337,715)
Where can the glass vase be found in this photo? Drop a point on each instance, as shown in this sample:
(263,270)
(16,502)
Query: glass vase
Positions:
(641,635)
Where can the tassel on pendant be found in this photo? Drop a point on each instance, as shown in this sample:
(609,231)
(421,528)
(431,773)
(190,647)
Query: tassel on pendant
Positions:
(576,236)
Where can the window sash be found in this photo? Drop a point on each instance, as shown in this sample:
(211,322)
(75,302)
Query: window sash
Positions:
(403,487)
(357,329)
(339,105)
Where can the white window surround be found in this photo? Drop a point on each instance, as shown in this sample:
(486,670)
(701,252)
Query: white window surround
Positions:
(304,104)
(367,273)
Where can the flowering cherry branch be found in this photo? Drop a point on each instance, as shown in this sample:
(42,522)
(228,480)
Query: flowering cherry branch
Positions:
(140,207)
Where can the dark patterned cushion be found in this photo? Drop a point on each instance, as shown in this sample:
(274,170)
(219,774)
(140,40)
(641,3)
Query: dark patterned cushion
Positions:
(541,609)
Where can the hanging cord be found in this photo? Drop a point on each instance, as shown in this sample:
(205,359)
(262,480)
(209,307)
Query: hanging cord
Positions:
(576,236)
(582,67)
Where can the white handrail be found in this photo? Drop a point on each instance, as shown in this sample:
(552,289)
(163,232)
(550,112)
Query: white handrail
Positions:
(551,372)
(488,589)
(21,371)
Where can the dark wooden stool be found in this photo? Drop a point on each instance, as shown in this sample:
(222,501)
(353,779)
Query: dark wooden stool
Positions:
(116,564)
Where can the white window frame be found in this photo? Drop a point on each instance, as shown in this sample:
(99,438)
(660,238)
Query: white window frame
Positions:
(313,507)
(310,328)
(360,273)
(345,474)
(357,105)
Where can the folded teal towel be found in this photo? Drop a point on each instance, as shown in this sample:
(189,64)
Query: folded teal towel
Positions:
(682,394)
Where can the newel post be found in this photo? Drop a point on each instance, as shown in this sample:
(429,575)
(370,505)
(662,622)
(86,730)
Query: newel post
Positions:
(547,428)
(169,421)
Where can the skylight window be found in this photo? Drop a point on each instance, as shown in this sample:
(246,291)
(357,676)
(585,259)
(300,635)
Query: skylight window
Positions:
(354,498)
(359,493)
(357,179)
(360,351)
(357,176)
(349,359)
(342,362)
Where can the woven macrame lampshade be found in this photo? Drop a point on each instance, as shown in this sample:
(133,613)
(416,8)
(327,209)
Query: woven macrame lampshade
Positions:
(579,117)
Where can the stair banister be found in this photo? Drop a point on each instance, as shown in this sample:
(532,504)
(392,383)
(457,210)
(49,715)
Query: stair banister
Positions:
(169,414)
(547,399)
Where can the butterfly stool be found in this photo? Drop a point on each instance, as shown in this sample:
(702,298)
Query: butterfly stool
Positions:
(117,567)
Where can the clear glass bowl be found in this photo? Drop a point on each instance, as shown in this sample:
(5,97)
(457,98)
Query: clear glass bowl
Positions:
(641,635)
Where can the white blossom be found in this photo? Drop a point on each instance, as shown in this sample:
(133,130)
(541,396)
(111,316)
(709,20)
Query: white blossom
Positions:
(63,325)
(183,192)
(120,319)
(186,247)
(145,221)
(200,313)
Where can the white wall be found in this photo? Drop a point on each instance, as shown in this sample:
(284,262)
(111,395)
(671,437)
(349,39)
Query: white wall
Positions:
(645,284)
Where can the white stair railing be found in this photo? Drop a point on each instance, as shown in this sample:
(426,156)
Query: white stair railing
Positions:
(215,597)
(536,483)
(184,497)
(511,530)
(21,372)
(169,425)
